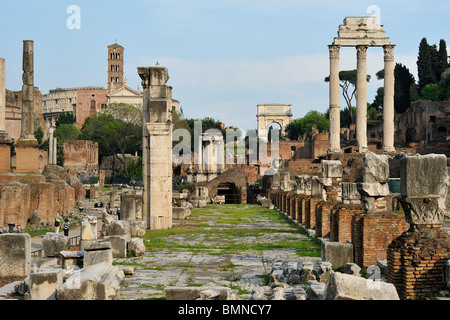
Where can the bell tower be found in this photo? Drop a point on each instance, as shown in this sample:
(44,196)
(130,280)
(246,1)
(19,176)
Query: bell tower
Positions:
(115,67)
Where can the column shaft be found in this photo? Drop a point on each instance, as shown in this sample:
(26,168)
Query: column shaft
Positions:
(335,115)
(2,95)
(361,99)
(388,100)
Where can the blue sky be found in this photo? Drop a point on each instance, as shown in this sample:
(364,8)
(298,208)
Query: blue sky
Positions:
(224,57)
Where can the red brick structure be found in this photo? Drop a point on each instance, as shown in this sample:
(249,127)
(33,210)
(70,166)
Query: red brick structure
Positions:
(341,222)
(310,215)
(323,212)
(373,233)
(80,155)
(416,260)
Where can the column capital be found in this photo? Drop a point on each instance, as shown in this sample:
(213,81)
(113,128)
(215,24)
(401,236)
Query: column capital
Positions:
(361,52)
(334,51)
(388,52)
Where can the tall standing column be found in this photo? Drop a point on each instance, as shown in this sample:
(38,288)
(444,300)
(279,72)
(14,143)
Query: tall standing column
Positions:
(361,99)
(5,140)
(26,146)
(157,140)
(2,95)
(27,131)
(335,115)
(388,100)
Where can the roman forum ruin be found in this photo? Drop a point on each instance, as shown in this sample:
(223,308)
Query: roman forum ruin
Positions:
(362,33)
(377,217)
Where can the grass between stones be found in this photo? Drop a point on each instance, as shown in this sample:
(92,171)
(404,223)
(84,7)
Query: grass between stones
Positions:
(231,229)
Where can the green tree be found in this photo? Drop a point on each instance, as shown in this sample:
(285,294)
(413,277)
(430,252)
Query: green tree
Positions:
(39,135)
(405,89)
(347,81)
(65,118)
(425,69)
(66,132)
(431,92)
(113,136)
(298,127)
(443,57)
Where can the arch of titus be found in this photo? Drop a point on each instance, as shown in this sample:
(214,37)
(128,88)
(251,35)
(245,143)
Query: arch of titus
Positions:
(362,32)
(269,113)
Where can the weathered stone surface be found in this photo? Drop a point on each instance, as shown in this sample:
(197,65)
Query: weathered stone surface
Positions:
(347,287)
(180,213)
(332,169)
(118,245)
(89,228)
(424,175)
(96,257)
(43,284)
(337,253)
(45,262)
(373,189)
(100,281)
(352,269)
(15,255)
(137,228)
(422,210)
(119,228)
(35,218)
(136,246)
(97,245)
(376,168)
(316,290)
(54,243)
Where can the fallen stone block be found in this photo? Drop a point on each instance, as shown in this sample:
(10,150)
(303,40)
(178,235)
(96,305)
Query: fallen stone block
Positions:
(316,290)
(199,293)
(44,262)
(352,269)
(71,258)
(89,229)
(15,255)
(119,228)
(43,284)
(118,245)
(347,287)
(179,213)
(137,228)
(54,243)
(136,246)
(337,253)
(98,252)
(100,281)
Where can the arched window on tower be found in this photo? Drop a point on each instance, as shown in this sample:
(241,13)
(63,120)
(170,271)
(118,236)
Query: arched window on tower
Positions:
(118,56)
(112,68)
(117,80)
(117,68)
(112,56)
(93,105)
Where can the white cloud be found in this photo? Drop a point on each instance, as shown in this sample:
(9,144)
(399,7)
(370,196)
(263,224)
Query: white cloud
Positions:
(230,90)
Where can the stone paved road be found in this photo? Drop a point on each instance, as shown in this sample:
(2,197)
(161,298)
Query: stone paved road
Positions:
(223,245)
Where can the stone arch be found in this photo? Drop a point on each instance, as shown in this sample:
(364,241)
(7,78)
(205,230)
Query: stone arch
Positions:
(230,191)
(270,113)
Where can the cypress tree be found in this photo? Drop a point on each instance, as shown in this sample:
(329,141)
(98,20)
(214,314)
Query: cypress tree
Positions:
(443,57)
(425,69)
